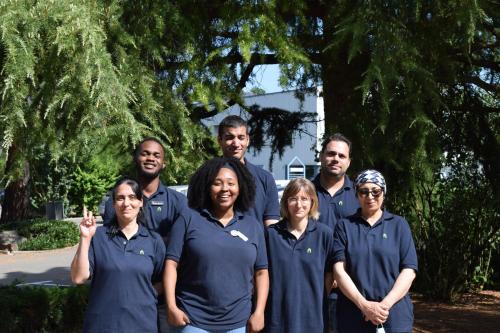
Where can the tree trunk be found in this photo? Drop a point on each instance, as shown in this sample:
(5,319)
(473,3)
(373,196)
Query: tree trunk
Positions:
(16,201)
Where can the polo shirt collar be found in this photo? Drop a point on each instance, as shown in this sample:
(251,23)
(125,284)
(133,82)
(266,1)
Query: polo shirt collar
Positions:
(348,185)
(237,216)
(114,229)
(283,225)
(386,215)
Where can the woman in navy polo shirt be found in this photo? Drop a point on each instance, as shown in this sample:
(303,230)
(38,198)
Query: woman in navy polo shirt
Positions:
(375,263)
(300,252)
(216,256)
(124,260)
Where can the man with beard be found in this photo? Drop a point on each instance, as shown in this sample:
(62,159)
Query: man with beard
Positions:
(234,139)
(161,205)
(337,199)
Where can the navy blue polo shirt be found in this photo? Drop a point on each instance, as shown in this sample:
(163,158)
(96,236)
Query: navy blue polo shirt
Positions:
(216,268)
(267,204)
(122,297)
(161,209)
(374,256)
(334,208)
(297,270)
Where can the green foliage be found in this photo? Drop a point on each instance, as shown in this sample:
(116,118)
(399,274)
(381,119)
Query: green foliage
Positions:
(455,223)
(42,309)
(43,234)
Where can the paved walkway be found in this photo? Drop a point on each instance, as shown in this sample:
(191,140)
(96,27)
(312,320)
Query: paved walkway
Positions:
(36,266)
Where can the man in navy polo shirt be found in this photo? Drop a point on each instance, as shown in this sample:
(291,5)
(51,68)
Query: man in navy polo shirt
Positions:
(233,138)
(336,195)
(161,205)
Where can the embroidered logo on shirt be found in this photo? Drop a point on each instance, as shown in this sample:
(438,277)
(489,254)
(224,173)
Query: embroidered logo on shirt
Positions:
(340,203)
(384,235)
(141,252)
(309,250)
(158,209)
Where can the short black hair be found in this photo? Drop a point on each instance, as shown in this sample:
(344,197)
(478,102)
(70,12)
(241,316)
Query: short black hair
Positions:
(231,122)
(137,150)
(136,188)
(199,184)
(336,137)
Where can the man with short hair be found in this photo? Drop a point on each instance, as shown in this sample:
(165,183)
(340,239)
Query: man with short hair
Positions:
(233,139)
(161,205)
(336,196)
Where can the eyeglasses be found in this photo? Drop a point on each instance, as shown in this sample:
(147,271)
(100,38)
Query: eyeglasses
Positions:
(376,192)
(294,200)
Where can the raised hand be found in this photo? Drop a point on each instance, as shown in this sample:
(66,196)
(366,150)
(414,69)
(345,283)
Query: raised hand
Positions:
(88,224)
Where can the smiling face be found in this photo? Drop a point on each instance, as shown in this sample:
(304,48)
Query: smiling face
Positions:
(335,159)
(371,198)
(234,142)
(150,160)
(299,206)
(126,203)
(224,190)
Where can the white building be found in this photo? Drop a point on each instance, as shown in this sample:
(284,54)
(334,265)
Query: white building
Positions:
(298,160)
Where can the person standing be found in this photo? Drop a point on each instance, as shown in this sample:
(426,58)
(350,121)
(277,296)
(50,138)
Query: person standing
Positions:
(300,252)
(161,205)
(216,259)
(124,261)
(375,263)
(337,199)
(233,139)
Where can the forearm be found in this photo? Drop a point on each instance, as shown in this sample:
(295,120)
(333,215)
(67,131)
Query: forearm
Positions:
(169,282)
(261,289)
(400,288)
(267,223)
(80,266)
(347,286)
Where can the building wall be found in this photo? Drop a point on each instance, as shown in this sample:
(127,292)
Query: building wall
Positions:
(305,144)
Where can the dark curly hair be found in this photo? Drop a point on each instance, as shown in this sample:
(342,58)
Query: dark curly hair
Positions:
(199,184)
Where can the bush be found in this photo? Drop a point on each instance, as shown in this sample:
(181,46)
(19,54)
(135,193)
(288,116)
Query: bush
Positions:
(42,234)
(456,234)
(42,309)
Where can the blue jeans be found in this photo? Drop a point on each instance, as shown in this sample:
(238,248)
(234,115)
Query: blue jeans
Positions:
(192,329)
(332,316)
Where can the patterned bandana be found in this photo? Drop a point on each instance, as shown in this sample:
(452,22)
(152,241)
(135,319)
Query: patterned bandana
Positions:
(371,176)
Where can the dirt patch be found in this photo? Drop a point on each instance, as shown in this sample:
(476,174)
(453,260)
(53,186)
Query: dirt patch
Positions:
(473,313)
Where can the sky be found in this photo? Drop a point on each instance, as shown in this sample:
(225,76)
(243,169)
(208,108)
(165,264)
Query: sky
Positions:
(267,78)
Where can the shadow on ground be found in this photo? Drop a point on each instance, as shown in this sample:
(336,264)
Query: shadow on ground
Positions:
(58,275)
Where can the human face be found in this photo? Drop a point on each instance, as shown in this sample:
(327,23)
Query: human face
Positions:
(126,204)
(234,142)
(224,190)
(370,203)
(150,161)
(299,206)
(335,159)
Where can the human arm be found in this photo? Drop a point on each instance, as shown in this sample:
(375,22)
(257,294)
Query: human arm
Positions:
(269,222)
(261,282)
(175,316)
(400,288)
(80,266)
(375,312)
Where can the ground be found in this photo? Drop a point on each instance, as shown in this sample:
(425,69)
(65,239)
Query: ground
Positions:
(474,313)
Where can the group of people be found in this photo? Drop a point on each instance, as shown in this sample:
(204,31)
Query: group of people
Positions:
(232,258)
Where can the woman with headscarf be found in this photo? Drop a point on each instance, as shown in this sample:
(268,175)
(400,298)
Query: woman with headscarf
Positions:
(375,263)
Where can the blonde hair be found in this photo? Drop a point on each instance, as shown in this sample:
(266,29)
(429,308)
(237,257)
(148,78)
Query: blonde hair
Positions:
(294,187)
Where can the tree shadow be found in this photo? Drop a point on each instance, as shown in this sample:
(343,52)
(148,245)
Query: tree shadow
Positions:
(57,275)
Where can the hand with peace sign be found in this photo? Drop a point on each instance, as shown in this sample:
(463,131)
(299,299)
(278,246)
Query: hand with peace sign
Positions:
(88,224)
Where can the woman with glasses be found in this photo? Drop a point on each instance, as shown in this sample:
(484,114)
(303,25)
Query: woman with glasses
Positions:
(300,253)
(375,263)
(216,256)
(124,261)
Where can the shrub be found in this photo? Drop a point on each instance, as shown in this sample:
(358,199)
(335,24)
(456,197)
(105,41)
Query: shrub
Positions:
(42,234)
(42,309)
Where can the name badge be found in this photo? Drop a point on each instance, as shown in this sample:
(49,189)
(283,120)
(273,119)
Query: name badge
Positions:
(156,203)
(236,233)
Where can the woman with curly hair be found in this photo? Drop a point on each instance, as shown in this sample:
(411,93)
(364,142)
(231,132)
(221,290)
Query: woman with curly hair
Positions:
(216,256)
